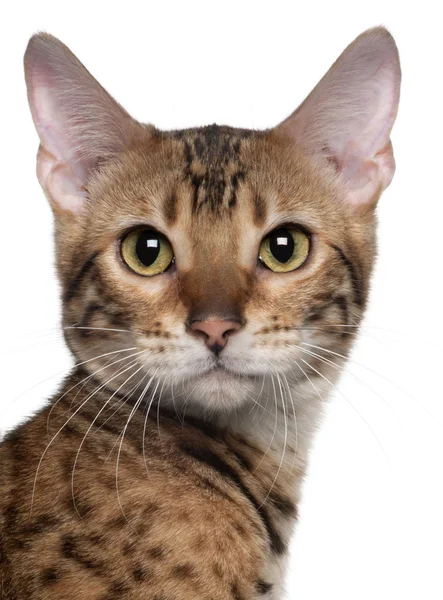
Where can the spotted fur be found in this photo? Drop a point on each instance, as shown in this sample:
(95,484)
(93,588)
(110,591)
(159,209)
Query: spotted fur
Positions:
(160,471)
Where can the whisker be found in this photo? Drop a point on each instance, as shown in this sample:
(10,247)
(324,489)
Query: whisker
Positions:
(310,381)
(97,328)
(400,389)
(275,427)
(295,423)
(121,401)
(88,377)
(341,368)
(364,421)
(134,364)
(145,425)
(135,407)
(64,371)
(285,420)
(64,425)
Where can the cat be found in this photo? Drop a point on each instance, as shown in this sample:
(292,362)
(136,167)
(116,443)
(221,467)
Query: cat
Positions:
(213,280)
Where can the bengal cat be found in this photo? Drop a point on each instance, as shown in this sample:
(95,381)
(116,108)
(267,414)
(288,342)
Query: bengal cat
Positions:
(213,280)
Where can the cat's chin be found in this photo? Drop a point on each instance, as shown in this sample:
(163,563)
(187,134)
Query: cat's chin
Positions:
(219,390)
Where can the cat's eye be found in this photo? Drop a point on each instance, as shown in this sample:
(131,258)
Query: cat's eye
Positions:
(284,249)
(147,252)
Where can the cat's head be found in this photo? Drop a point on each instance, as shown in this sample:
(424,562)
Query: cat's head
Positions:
(203,262)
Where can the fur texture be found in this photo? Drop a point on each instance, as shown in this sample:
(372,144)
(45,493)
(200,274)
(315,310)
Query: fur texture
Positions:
(160,470)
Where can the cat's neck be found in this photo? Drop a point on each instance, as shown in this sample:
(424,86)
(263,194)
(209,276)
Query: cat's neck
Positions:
(282,423)
(281,420)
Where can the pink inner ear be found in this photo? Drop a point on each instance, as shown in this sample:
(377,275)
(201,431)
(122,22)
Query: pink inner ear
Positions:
(64,188)
(350,113)
(77,120)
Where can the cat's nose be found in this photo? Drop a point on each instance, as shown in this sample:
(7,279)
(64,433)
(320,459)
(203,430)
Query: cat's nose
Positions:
(215,333)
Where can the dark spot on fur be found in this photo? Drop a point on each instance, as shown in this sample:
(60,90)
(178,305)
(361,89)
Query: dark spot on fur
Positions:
(236,595)
(42,524)
(74,549)
(240,529)
(183,571)
(118,522)
(150,509)
(68,546)
(156,552)
(69,430)
(139,573)
(218,571)
(49,576)
(118,587)
(128,548)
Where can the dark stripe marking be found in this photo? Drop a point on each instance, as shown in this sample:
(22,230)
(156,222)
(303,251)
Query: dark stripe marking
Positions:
(206,456)
(170,208)
(284,505)
(263,587)
(259,210)
(70,550)
(342,304)
(357,285)
(73,286)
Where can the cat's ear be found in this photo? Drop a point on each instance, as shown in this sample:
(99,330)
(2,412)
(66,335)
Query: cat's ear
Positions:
(348,116)
(77,121)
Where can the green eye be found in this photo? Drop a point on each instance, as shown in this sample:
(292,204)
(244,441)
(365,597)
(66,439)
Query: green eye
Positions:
(284,249)
(147,252)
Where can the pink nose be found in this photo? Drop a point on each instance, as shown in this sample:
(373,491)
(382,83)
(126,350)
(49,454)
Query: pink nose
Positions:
(215,333)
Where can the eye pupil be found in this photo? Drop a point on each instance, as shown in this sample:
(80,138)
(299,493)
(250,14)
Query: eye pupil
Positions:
(147,247)
(281,244)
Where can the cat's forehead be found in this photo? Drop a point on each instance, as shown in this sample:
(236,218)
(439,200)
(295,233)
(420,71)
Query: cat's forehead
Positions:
(205,178)
(212,145)
(214,165)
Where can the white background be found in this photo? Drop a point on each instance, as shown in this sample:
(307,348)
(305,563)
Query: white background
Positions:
(371,523)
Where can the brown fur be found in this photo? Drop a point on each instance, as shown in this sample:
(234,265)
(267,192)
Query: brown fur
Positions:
(142,479)
(153,538)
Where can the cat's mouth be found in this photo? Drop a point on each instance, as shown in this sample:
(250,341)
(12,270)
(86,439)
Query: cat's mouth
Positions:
(219,371)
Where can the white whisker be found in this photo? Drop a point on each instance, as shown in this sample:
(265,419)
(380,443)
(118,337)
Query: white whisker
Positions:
(92,424)
(64,425)
(131,414)
(364,421)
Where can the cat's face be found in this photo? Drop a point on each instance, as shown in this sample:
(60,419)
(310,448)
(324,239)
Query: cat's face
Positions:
(214,194)
(203,262)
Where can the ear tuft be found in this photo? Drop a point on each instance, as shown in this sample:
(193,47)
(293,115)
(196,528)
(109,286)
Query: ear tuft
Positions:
(348,117)
(78,122)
